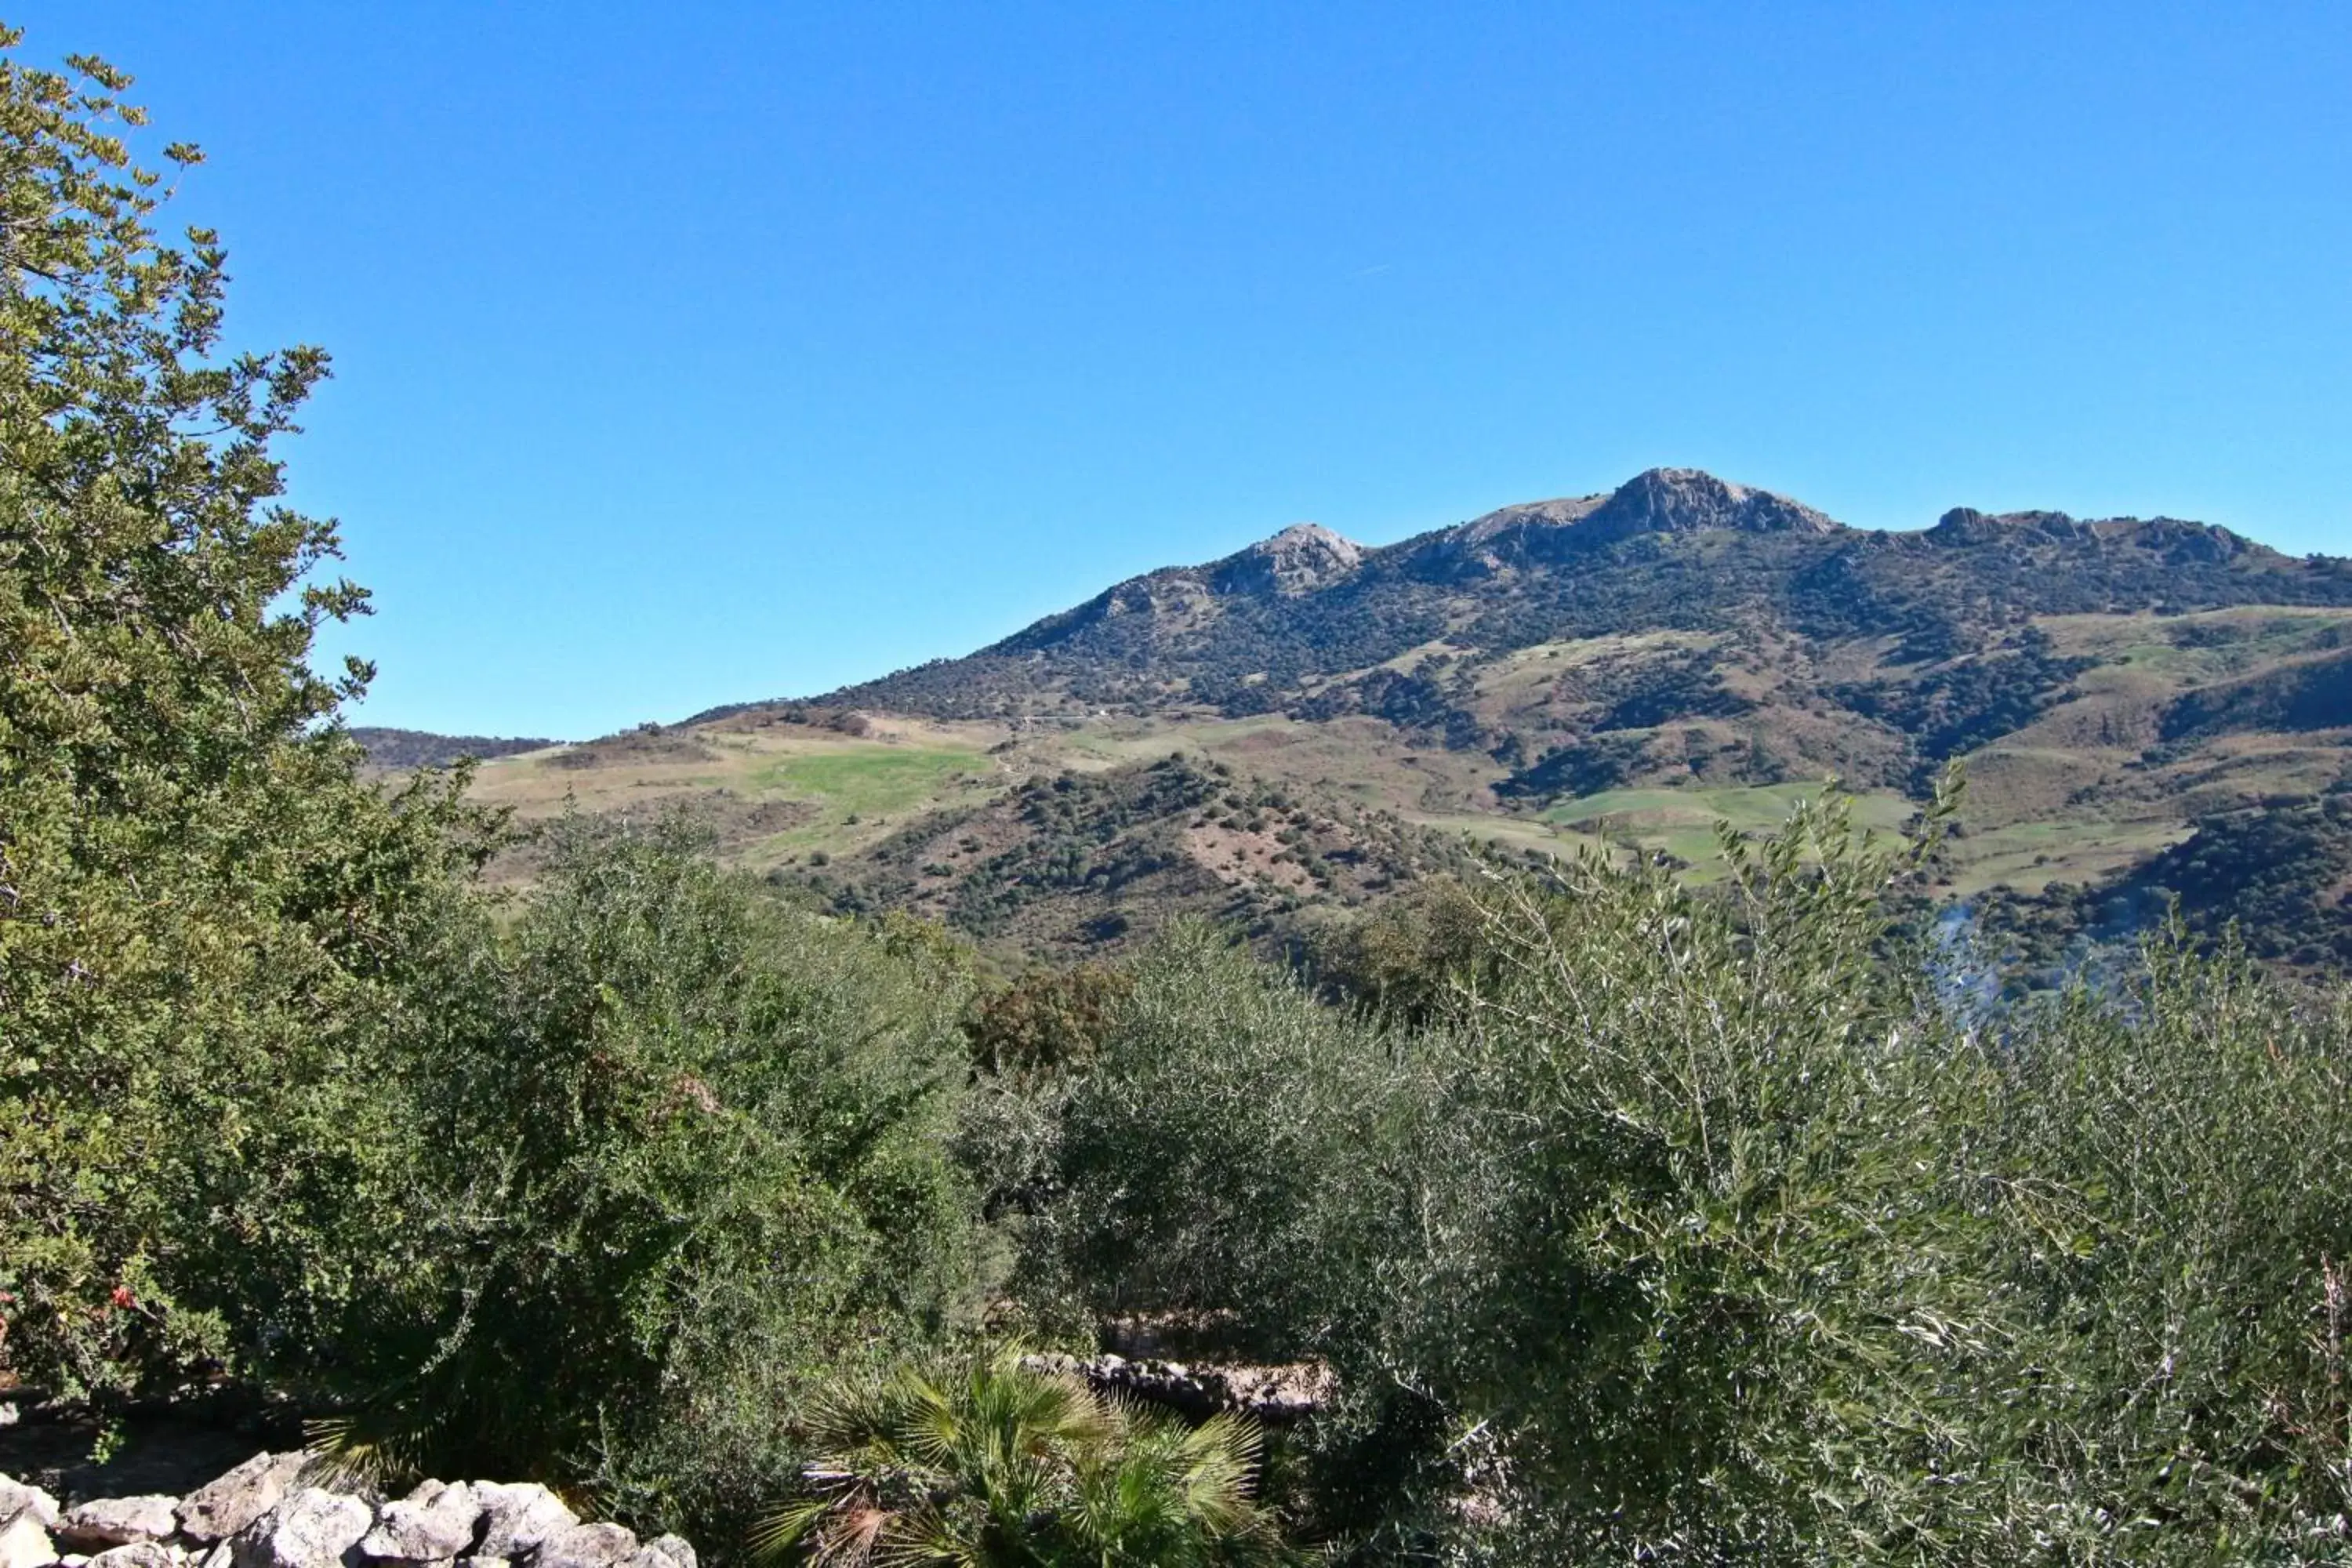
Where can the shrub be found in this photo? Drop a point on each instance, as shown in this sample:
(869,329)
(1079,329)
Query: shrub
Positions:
(1211,1161)
(685,1155)
(994,1465)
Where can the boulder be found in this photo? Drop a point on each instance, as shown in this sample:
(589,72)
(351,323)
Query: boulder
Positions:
(517,1518)
(673,1550)
(121,1522)
(432,1524)
(18,1500)
(314,1528)
(140,1554)
(220,1510)
(588,1546)
(25,1544)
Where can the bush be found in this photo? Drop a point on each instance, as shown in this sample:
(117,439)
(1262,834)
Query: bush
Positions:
(685,1154)
(1211,1163)
(992,1464)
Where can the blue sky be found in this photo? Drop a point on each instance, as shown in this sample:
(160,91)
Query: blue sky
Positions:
(699,353)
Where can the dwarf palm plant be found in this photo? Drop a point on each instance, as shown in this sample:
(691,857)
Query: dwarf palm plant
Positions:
(997,1463)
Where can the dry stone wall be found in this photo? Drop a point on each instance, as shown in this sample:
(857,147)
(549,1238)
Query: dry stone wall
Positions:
(268,1513)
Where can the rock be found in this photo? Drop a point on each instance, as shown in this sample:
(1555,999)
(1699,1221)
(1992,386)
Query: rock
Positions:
(18,1501)
(432,1524)
(25,1544)
(663,1552)
(217,1512)
(314,1528)
(516,1519)
(588,1546)
(137,1554)
(122,1521)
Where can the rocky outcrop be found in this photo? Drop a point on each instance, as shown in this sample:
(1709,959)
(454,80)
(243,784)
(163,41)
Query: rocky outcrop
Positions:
(1688,501)
(1276,1396)
(1658,501)
(268,1513)
(1300,558)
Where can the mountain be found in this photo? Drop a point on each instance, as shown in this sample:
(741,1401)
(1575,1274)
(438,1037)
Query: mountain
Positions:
(1622,667)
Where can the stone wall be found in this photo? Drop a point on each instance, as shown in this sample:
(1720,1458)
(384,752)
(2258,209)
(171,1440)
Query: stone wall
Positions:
(268,1513)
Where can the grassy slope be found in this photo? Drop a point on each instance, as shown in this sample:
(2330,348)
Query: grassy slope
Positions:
(2083,792)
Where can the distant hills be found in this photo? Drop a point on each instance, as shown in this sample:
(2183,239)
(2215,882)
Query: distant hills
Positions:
(1621,668)
(402,750)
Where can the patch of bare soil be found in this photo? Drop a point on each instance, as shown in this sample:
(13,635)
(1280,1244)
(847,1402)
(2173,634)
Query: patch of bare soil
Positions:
(1237,856)
(76,1454)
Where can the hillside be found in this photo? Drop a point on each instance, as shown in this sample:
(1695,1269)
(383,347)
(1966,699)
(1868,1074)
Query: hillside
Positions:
(401,750)
(1627,668)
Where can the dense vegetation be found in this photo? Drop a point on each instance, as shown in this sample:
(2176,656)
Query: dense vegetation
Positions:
(1078,864)
(1633,1222)
(2275,878)
(404,749)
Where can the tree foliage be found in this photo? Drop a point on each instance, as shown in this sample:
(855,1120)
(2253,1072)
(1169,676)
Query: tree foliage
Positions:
(201,905)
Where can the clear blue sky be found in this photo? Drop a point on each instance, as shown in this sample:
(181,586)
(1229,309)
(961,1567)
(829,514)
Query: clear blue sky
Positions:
(696,353)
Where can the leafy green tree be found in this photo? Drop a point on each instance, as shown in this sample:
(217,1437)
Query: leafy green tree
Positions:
(202,907)
(682,1153)
(1223,1155)
(995,1464)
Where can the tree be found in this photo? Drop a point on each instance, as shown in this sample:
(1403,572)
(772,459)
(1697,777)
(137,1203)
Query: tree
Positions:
(685,1157)
(200,901)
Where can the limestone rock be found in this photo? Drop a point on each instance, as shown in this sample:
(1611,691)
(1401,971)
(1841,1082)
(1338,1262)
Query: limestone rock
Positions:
(217,1512)
(588,1546)
(668,1551)
(140,1554)
(432,1524)
(517,1518)
(121,1522)
(18,1501)
(314,1528)
(25,1544)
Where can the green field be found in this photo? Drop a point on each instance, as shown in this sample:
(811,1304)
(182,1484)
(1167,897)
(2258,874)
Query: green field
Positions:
(869,779)
(1682,822)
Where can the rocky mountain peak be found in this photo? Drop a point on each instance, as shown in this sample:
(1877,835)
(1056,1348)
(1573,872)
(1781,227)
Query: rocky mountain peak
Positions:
(2170,538)
(1689,500)
(1301,558)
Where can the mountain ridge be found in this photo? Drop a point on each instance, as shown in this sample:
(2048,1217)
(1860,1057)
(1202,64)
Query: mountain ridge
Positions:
(1620,669)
